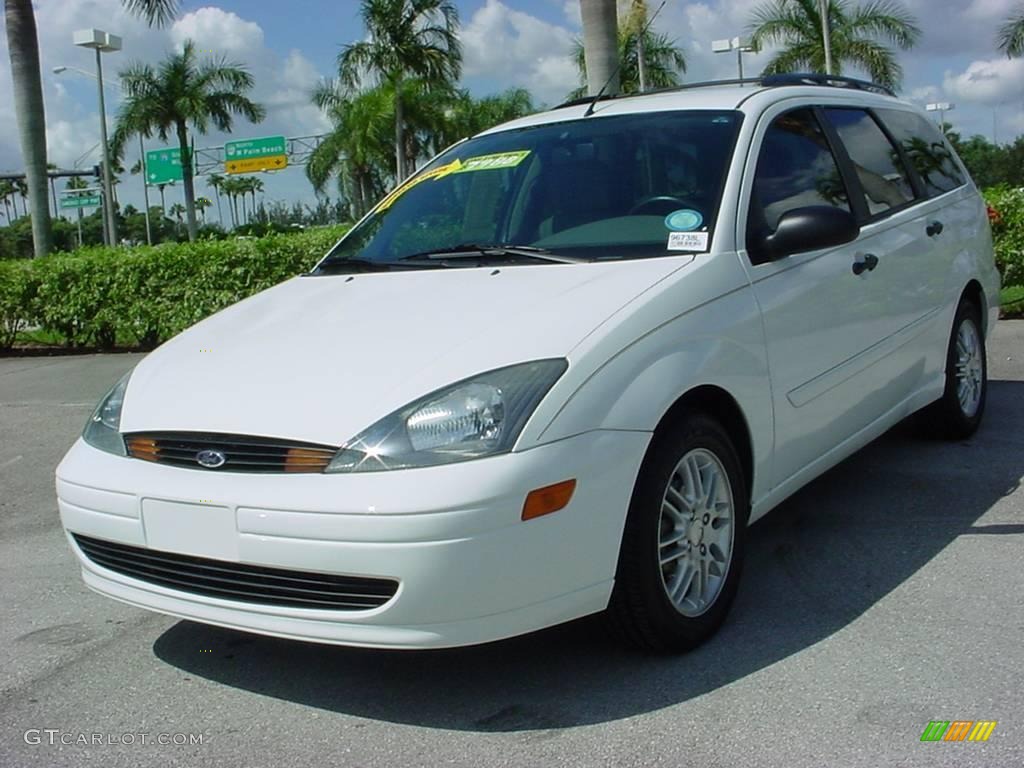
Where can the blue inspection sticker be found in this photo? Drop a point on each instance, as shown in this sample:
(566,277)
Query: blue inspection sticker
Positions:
(684,220)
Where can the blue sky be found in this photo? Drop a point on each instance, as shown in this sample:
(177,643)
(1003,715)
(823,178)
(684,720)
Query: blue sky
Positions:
(290,44)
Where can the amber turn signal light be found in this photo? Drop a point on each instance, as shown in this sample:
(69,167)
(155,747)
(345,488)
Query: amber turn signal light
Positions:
(550,498)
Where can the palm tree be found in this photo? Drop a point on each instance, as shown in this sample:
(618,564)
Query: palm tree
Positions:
(215,181)
(600,43)
(180,93)
(854,32)
(202,203)
(1011,35)
(406,39)
(163,204)
(662,62)
(357,149)
(7,191)
(462,115)
(177,211)
(232,188)
(255,185)
(23,49)
(21,187)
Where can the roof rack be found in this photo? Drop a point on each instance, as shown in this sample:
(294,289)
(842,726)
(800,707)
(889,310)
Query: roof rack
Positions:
(835,81)
(767,81)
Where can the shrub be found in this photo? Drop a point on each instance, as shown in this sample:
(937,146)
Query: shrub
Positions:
(1008,231)
(142,296)
(18,287)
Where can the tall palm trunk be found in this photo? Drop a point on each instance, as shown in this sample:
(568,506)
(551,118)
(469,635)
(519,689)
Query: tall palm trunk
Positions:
(400,133)
(23,44)
(600,45)
(187,182)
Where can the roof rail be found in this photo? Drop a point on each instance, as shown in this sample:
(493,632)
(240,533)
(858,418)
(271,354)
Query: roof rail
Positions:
(767,81)
(835,81)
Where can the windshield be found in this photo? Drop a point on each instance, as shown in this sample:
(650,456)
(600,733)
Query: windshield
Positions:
(620,187)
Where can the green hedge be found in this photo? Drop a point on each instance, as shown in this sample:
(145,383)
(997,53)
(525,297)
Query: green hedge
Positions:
(1008,230)
(142,296)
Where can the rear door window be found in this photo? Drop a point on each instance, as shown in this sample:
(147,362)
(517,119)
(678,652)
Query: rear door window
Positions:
(925,149)
(879,167)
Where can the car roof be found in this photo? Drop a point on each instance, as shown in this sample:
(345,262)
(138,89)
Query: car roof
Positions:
(749,97)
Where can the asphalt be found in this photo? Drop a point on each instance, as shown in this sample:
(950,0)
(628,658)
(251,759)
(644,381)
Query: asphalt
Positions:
(886,594)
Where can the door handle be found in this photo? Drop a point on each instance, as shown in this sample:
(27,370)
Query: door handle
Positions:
(868,262)
(933,229)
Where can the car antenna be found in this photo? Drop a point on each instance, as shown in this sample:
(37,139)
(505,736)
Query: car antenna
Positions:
(600,93)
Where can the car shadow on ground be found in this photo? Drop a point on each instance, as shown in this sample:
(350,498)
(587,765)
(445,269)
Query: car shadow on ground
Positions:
(814,565)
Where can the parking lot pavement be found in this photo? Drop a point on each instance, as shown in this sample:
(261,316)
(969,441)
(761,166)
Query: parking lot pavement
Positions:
(885,595)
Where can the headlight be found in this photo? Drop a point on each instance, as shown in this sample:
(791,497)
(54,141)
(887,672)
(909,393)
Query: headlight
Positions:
(102,429)
(470,419)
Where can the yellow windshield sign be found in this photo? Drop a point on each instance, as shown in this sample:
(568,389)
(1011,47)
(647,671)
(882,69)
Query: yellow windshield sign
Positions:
(493,162)
(479,163)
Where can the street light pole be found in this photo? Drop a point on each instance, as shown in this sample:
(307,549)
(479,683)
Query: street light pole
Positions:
(103,42)
(942,107)
(108,187)
(737,44)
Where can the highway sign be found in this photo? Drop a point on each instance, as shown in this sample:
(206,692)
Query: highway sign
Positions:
(251,164)
(163,166)
(90,200)
(269,153)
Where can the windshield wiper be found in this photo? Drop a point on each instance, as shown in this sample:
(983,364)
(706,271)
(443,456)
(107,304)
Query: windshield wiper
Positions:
(345,266)
(490,252)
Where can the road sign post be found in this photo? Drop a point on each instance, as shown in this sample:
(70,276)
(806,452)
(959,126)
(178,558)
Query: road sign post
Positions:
(163,166)
(77,199)
(269,153)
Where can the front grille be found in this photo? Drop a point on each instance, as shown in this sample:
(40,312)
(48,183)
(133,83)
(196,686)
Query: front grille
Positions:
(235,581)
(241,453)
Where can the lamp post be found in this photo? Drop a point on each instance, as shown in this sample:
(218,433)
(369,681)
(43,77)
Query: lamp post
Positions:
(142,152)
(942,107)
(737,44)
(103,42)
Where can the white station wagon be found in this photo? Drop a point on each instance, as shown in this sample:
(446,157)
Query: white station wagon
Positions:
(557,372)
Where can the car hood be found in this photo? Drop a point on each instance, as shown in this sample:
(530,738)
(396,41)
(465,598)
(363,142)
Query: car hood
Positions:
(321,358)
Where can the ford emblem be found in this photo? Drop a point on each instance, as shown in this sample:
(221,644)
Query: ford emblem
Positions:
(211,459)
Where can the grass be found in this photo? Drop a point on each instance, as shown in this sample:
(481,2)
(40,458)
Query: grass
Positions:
(1012,300)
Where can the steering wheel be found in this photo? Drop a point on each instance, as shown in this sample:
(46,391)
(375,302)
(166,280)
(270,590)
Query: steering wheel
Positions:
(656,204)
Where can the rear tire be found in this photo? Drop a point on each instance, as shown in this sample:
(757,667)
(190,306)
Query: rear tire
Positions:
(683,543)
(958,413)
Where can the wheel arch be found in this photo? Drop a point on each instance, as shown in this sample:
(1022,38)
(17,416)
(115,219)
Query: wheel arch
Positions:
(976,293)
(716,402)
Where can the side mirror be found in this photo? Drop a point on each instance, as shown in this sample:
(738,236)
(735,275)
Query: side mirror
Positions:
(807,229)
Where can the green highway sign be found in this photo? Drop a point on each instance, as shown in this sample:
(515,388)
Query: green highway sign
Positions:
(163,166)
(269,153)
(83,201)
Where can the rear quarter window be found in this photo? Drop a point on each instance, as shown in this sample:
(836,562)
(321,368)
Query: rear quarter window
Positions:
(925,149)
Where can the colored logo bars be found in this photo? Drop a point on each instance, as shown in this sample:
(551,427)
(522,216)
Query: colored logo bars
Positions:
(958,730)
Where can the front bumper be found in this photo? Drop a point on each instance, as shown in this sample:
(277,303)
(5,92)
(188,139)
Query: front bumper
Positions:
(469,569)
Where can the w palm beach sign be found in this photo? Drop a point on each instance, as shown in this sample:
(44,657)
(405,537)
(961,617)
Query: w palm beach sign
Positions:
(265,154)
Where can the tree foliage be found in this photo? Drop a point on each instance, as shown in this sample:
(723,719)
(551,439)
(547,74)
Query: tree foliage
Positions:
(860,36)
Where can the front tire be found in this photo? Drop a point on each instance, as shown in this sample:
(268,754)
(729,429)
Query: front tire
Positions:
(957,414)
(682,547)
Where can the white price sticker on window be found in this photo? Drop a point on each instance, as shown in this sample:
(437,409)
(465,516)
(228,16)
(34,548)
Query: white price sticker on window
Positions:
(688,241)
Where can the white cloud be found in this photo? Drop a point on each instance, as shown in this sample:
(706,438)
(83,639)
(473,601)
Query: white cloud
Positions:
(520,49)
(218,32)
(989,81)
